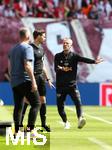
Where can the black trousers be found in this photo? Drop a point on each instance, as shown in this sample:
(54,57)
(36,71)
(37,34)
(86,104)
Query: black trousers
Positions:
(61,97)
(19,92)
(41,82)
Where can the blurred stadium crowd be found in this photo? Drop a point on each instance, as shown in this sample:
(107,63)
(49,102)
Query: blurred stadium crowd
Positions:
(60,9)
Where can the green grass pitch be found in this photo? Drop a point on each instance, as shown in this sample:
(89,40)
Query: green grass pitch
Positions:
(96,134)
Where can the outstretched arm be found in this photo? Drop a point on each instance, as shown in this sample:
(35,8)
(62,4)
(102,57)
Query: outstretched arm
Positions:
(88,60)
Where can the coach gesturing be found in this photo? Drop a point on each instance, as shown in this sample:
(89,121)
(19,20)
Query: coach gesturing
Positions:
(66,71)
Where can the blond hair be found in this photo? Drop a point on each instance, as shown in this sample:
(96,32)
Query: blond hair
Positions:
(69,40)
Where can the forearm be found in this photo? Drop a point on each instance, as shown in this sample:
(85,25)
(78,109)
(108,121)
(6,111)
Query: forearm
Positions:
(7,76)
(47,78)
(89,61)
(46,74)
(29,70)
(86,60)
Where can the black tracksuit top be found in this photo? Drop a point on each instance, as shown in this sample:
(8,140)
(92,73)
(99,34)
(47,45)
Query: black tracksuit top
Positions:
(68,79)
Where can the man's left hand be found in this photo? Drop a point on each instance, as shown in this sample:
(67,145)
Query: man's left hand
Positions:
(51,85)
(98,60)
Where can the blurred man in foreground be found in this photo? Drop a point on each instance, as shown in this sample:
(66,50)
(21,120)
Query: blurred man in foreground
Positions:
(21,64)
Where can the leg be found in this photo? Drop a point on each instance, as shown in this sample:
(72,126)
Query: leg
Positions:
(43,113)
(33,98)
(43,110)
(18,97)
(24,108)
(75,95)
(60,105)
(42,92)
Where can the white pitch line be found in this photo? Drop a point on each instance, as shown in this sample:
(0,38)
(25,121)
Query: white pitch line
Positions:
(93,117)
(99,118)
(100,143)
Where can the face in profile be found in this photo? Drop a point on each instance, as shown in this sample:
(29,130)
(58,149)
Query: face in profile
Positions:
(42,38)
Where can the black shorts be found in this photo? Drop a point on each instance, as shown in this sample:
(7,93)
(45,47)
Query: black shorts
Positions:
(41,83)
(64,91)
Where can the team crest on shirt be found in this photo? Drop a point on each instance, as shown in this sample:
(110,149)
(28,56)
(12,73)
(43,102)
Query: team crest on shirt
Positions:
(66,64)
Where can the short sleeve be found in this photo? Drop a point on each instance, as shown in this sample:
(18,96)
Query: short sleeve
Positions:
(28,54)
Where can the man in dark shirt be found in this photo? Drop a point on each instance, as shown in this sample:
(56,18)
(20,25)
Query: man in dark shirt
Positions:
(21,64)
(40,75)
(66,71)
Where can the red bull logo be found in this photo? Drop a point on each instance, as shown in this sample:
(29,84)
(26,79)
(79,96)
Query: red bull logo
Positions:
(106,94)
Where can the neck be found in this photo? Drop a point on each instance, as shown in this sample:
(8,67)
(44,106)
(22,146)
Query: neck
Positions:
(66,51)
(24,41)
(37,43)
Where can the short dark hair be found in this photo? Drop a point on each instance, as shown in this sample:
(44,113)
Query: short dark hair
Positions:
(24,32)
(38,32)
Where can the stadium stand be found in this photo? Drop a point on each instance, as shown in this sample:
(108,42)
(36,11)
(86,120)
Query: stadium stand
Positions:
(62,9)
(8,37)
